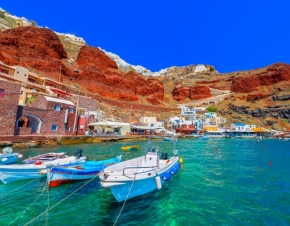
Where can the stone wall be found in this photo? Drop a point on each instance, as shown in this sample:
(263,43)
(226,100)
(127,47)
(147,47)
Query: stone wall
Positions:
(87,102)
(44,110)
(8,107)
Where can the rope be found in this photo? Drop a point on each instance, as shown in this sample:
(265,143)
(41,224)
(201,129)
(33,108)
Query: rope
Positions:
(60,201)
(33,201)
(20,187)
(125,201)
(46,215)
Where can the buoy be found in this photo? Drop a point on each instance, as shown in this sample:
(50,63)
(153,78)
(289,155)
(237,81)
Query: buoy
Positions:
(180,160)
(166,176)
(270,163)
(173,170)
(158,182)
(20,156)
(4,159)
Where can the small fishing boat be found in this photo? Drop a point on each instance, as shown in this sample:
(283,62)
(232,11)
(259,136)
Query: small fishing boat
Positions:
(170,138)
(129,148)
(204,137)
(13,172)
(140,175)
(8,156)
(57,175)
(45,157)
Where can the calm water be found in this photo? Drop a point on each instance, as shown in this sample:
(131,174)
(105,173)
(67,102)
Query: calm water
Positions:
(221,182)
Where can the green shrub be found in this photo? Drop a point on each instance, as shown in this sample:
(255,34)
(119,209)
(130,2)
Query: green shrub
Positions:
(284,120)
(211,109)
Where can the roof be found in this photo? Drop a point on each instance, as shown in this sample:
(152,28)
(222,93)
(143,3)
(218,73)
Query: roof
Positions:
(52,99)
(109,123)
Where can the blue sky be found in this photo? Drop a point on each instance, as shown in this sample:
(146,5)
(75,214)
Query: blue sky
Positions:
(230,35)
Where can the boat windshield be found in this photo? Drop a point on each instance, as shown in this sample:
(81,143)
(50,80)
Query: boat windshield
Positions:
(152,149)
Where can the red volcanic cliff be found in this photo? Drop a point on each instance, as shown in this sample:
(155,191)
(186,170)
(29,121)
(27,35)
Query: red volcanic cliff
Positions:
(91,56)
(247,82)
(40,49)
(197,92)
(32,47)
(99,73)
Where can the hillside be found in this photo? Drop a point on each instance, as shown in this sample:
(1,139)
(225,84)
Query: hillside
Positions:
(259,96)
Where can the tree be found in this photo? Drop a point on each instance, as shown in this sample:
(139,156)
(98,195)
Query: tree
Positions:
(211,109)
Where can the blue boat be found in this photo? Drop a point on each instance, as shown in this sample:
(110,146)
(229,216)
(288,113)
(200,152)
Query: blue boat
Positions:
(8,157)
(57,175)
(140,175)
(204,137)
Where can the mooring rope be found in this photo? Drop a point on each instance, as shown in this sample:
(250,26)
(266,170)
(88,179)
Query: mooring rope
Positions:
(33,201)
(20,187)
(125,201)
(60,201)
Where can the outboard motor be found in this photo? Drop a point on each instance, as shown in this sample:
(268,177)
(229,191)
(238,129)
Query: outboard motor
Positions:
(78,153)
(164,156)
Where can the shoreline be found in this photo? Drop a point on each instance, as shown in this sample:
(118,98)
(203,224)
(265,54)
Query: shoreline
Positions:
(40,141)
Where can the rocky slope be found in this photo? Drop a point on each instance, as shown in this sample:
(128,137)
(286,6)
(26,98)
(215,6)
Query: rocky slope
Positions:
(261,94)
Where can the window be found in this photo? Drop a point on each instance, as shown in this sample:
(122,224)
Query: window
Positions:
(71,110)
(57,107)
(54,127)
(1,93)
(4,71)
(67,128)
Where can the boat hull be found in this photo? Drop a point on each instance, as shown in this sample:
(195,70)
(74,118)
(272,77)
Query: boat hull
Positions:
(8,175)
(14,172)
(126,187)
(128,148)
(74,172)
(6,159)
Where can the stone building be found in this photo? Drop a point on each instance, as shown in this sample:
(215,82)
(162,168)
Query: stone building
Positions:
(9,98)
(47,116)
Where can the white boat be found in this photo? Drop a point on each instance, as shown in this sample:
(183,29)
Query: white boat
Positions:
(13,172)
(170,138)
(45,157)
(8,156)
(140,175)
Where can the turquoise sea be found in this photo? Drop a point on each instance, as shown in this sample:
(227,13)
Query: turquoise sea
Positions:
(221,182)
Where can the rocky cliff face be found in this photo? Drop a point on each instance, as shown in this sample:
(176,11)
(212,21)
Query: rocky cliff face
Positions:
(250,81)
(32,47)
(40,49)
(180,93)
(100,74)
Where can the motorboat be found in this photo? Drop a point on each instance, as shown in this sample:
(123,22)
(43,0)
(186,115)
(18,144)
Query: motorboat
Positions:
(129,148)
(13,172)
(170,138)
(57,175)
(140,175)
(8,156)
(204,137)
